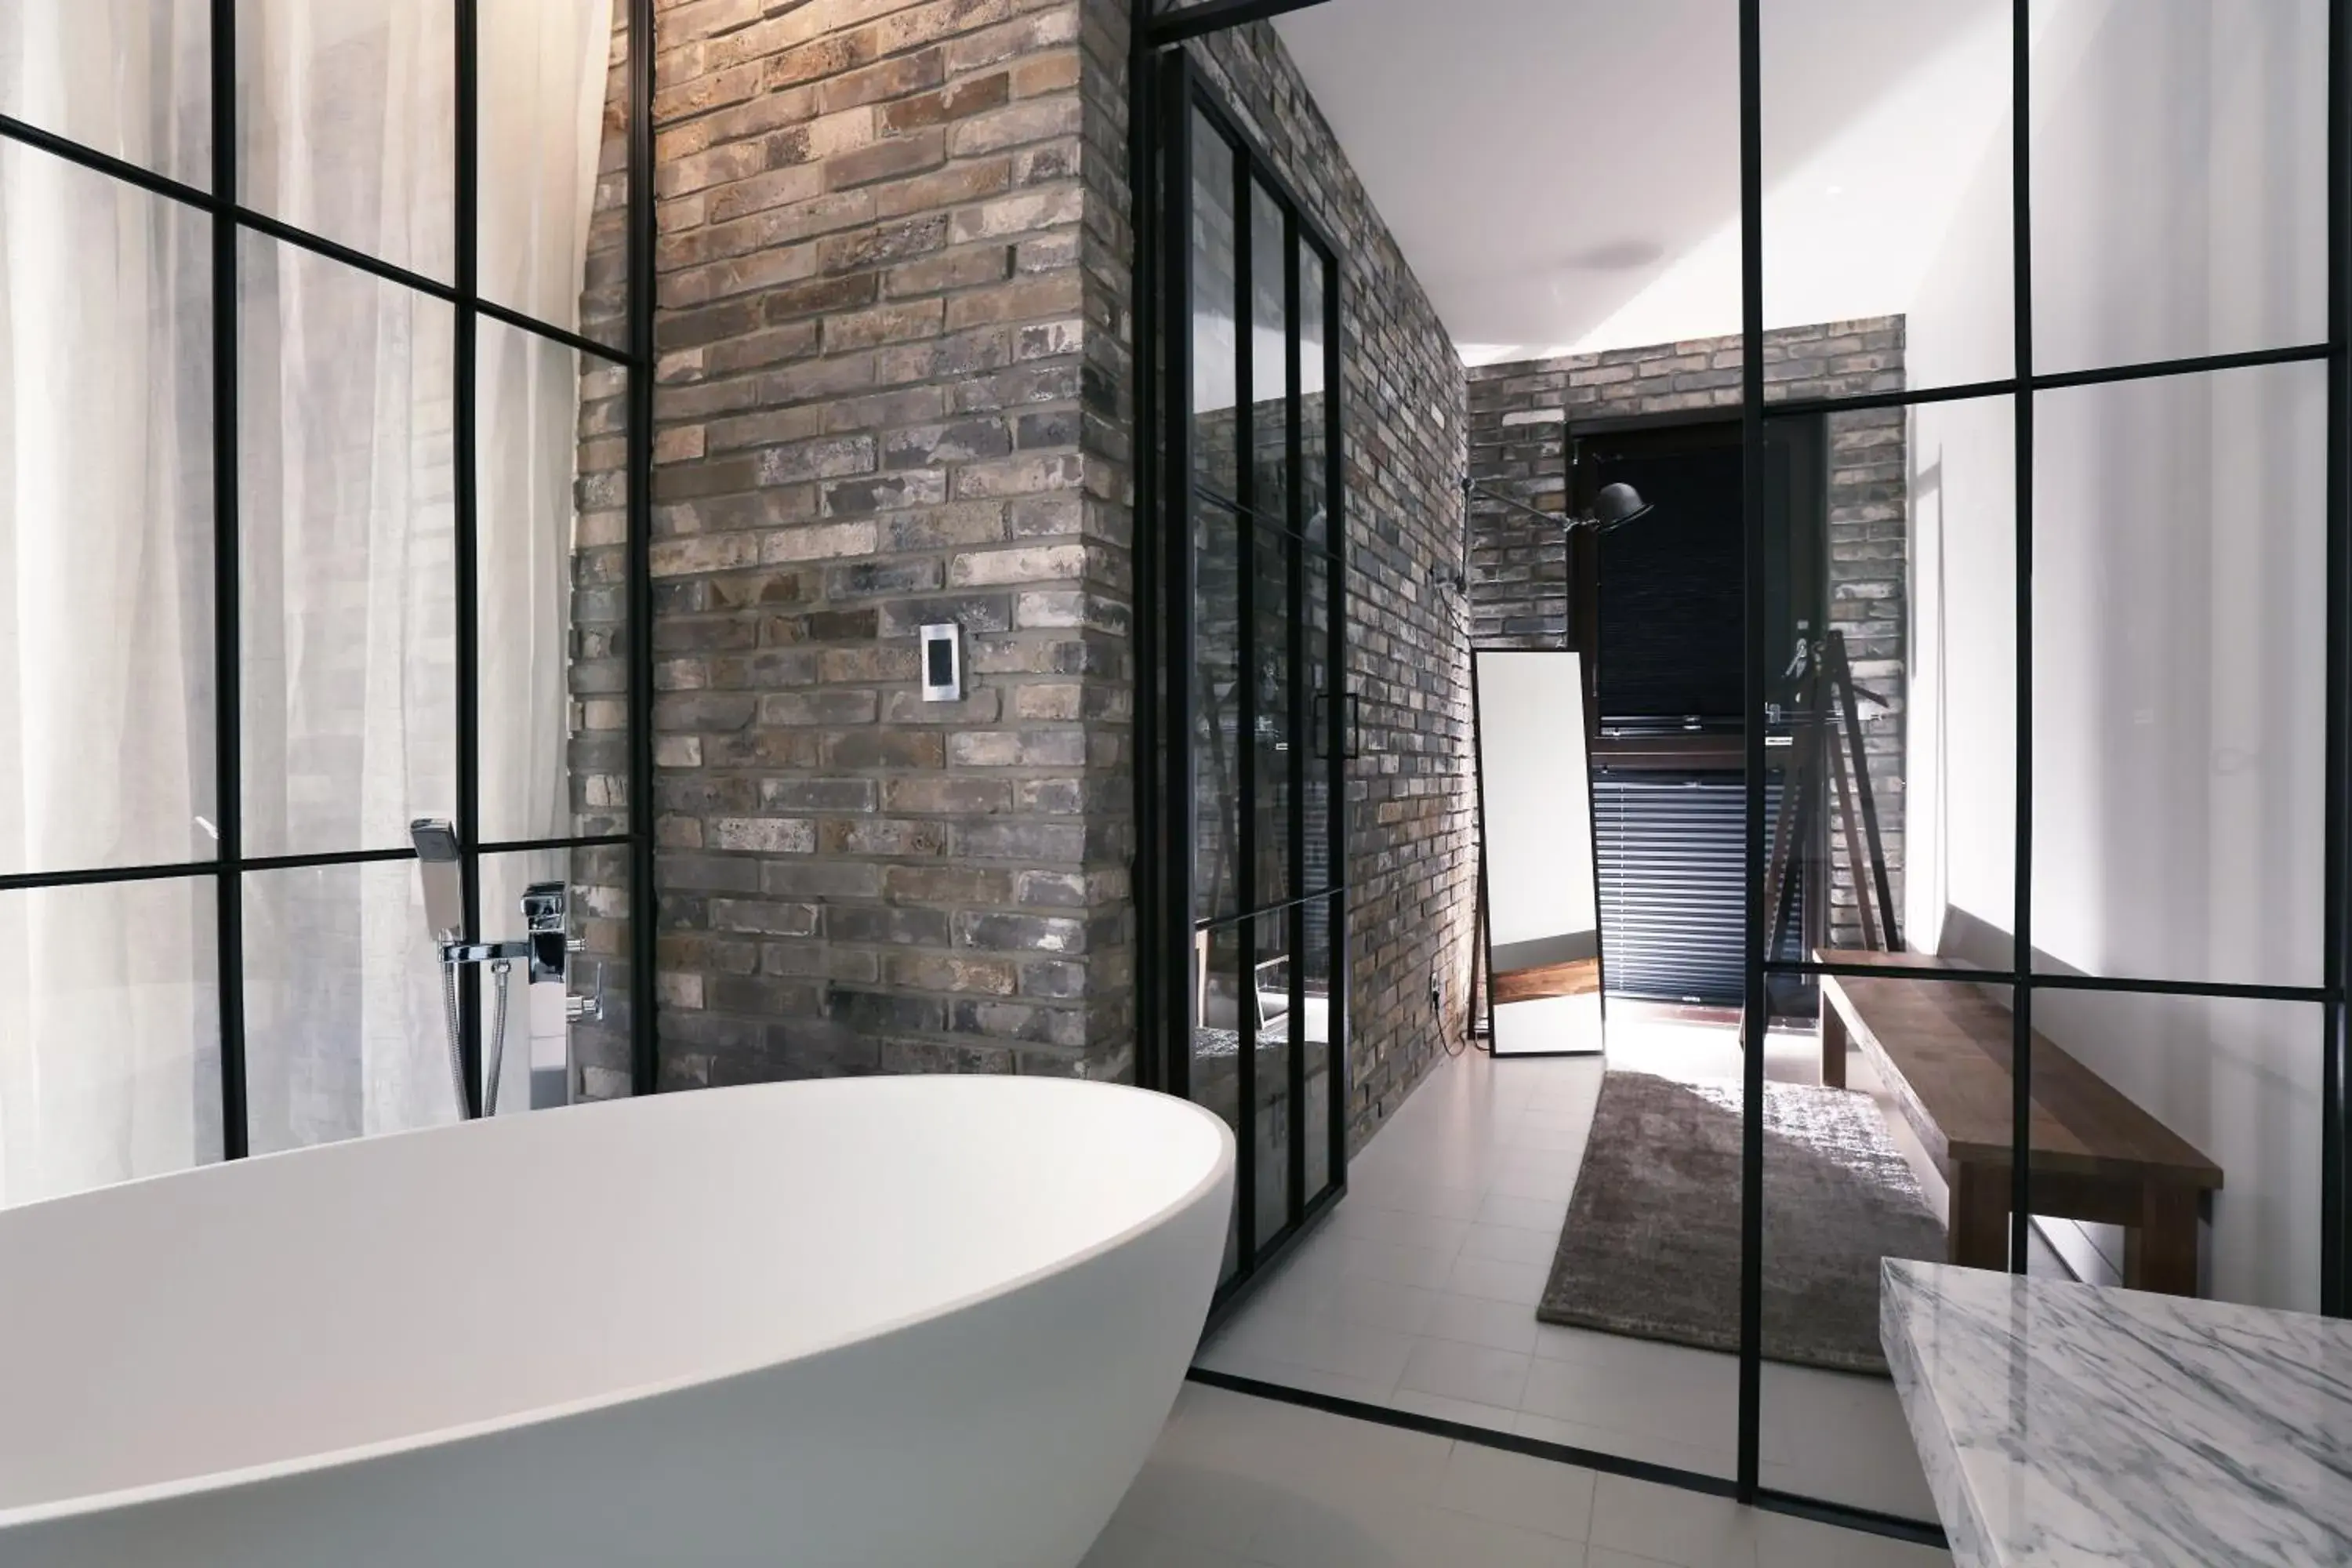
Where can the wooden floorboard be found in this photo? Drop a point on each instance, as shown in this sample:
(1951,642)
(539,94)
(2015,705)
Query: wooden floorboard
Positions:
(1577,979)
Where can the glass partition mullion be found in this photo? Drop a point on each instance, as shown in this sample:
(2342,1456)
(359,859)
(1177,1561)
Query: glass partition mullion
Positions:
(1245,696)
(1299,723)
(1334,536)
(228,653)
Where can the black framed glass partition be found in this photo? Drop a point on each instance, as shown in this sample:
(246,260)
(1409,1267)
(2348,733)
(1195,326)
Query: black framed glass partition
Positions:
(2055,728)
(325,473)
(1249,902)
(2108,693)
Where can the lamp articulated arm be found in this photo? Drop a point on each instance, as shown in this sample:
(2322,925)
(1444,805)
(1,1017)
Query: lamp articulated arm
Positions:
(1614,507)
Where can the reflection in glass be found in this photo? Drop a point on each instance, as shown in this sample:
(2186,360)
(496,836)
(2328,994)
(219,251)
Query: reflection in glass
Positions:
(345,1029)
(1216,362)
(347,544)
(1313,407)
(1277,730)
(1315,717)
(109,1034)
(1269,368)
(1318,1017)
(1216,710)
(346,123)
(1274,1004)
(551,580)
(1219,996)
(106,522)
(2180,635)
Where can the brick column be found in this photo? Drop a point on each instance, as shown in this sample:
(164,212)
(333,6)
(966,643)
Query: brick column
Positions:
(872,414)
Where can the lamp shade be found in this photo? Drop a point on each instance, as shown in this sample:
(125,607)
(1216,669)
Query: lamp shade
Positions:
(1618,505)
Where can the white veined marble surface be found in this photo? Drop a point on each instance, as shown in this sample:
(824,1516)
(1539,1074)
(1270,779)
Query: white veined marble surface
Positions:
(2072,1423)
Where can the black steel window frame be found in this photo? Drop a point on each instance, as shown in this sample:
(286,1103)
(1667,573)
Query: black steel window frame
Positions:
(230,219)
(1168,498)
(1162,26)
(2023,386)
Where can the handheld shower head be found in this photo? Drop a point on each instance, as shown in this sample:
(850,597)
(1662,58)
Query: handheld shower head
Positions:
(437,868)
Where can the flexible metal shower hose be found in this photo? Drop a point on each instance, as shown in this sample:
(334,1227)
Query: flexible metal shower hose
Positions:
(456,1052)
(499,975)
(497,1034)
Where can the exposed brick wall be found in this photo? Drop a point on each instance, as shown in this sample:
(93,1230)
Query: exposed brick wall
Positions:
(1518,568)
(1410,862)
(896,385)
(873,412)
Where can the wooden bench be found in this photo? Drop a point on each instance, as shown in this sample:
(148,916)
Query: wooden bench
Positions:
(1943,1051)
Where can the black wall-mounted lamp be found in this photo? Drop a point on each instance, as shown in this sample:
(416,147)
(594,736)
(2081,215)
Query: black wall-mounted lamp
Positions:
(1615,505)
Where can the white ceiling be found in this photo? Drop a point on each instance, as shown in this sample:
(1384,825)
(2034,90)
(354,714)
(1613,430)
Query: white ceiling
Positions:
(1564,174)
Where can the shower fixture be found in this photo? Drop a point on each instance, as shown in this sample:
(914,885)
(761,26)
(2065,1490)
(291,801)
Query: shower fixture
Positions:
(546,947)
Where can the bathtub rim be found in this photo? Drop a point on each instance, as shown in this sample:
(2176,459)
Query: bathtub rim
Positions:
(1219,1168)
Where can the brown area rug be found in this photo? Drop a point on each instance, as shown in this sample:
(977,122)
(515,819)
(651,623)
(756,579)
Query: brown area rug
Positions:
(1651,1243)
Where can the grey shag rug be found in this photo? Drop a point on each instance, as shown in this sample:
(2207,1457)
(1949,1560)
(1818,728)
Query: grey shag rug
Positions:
(1651,1243)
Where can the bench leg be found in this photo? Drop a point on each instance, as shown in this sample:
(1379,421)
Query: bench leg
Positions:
(1833,1046)
(1977,1236)
(2160,1251)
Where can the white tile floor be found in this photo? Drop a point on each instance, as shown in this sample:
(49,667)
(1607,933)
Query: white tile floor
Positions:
(1419,1292)
(1236,1481)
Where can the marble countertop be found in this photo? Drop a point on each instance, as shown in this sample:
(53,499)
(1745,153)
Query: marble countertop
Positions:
(2068,1424)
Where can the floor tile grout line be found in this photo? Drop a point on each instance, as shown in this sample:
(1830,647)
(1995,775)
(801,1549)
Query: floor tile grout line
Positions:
(1464,1190)
(1305,1375)
(1600,1464)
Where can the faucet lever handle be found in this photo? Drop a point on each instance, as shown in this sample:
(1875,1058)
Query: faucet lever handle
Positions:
(586,1009)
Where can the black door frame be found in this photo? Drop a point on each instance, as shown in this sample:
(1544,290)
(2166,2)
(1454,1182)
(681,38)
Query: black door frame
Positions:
(230,220)
(1159,26)
(1168,497)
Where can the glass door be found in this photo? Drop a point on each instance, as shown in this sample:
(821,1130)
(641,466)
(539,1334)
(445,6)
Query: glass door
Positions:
(1254,899)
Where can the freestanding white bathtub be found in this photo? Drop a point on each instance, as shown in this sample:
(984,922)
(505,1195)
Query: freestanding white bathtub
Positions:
(927,1321)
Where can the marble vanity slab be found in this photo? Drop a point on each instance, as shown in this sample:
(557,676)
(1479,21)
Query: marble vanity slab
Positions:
(2071,1423)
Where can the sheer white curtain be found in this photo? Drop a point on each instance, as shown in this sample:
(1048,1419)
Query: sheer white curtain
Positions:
(346,552)
(107,1005)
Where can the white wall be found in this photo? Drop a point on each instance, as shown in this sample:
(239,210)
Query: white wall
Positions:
(2178,596)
